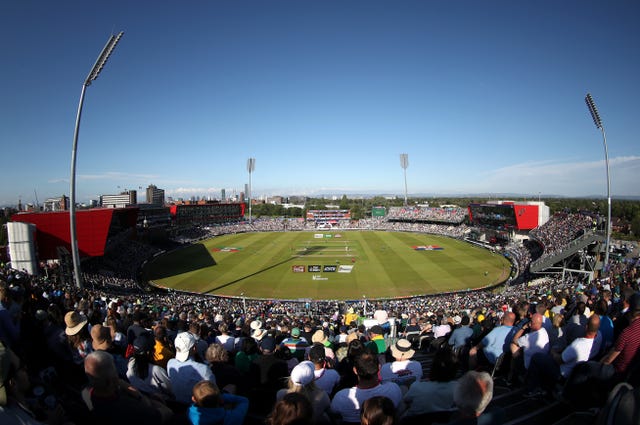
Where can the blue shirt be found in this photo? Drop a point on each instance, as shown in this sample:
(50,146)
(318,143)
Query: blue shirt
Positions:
(494,342)
(184,375)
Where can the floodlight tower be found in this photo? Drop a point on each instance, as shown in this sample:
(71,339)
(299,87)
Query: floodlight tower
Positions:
(404,163)
(93,74)
(251,165)
(598,122)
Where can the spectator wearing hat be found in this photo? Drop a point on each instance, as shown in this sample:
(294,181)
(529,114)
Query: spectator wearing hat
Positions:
(320,337)
(348,402)
(145,376)
(462,334)
(325,377)
(302,380)
(212,407)
(184,371)
(296,344)
(77,335)
(403,371)
(377,343)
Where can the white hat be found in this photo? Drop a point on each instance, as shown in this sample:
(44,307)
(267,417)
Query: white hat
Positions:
(184,343)
(457,319)
(402,350)
(256,324)
(258,334)
(302,374)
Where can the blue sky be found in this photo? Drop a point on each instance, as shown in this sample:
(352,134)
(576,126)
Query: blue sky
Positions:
(484,97)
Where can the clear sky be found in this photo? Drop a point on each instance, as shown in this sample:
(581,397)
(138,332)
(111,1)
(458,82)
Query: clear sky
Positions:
(484,97)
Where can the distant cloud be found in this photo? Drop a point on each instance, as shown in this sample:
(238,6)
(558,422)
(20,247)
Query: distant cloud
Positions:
(564,178)
(115,175)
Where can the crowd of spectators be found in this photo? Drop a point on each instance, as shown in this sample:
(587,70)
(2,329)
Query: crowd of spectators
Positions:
(560,230)
(114,351)
(453,215)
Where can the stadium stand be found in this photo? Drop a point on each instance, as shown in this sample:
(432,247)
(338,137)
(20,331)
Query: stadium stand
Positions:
(47,330)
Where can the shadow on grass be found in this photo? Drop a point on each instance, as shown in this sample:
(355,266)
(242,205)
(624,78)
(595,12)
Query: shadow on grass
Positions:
(188,259)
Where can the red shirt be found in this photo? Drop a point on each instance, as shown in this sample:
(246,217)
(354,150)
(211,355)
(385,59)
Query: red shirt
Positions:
(627,344)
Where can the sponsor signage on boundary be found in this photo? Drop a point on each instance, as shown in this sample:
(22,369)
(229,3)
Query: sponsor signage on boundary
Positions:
(297,269)
(328,235)
(345,269)
(427,248)
(318,235)
(226,249)
(315,268)
(329,268)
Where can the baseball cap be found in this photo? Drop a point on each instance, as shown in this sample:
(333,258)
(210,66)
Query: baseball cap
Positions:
(268,343)
(295,332)
(302,374)
(184,343)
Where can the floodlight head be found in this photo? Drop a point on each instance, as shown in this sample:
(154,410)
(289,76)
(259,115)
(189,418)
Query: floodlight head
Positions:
(594,111)
(102,59)
(404,160)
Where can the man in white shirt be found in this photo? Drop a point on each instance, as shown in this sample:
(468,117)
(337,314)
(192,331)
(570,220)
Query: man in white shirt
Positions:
(536,341)
(348,402)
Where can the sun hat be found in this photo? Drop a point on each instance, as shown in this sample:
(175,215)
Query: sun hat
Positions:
(100,337)
(258,334)
(319,337)
(402,350)
(74,321)
(184,343)
(256,324)
(457,319)
(302,374)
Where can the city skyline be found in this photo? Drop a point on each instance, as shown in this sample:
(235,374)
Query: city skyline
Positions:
(482,97)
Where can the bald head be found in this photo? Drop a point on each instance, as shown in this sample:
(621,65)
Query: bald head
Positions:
(509,318)
(593,325)
(536,322)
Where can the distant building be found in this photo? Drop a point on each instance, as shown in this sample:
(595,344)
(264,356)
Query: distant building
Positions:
(222,195)
(123,200)
(155,196)
(56,204)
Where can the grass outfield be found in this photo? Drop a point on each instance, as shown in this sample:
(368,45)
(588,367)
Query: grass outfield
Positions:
(370,263)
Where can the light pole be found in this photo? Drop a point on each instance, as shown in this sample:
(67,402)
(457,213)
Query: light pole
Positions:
(93,74)
(598,122)
(404,163)
(364,307)
(251,165)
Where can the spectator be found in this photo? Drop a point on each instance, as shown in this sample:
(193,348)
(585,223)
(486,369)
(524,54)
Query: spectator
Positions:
(267,374)
(224,339)
(378,411)
(347,402)
(228,377)
(184,371)
(325,378)
(533,342)
(403,371)
(302,381)
(461,336)
(494,344)
(297,344)
(9,327)
(292,409)
(472,395)
(212,407)
(161,349)
(78,336)
(111,400)
(145,376)
(546,369)
(436,394)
